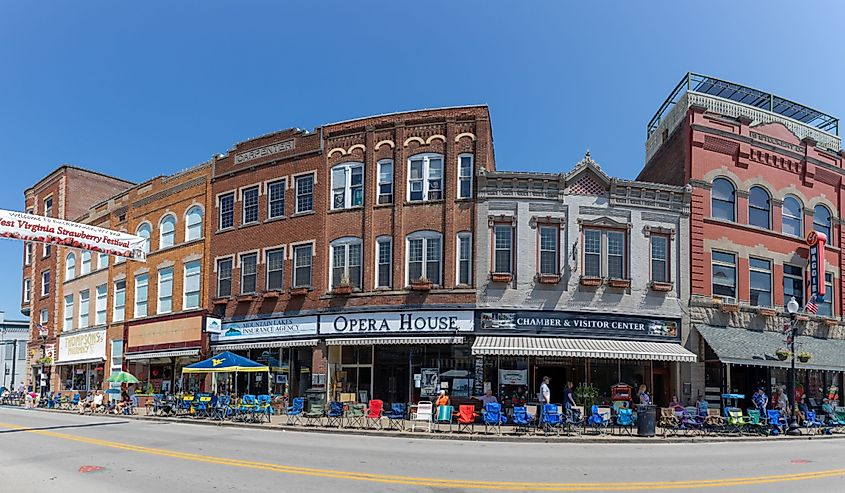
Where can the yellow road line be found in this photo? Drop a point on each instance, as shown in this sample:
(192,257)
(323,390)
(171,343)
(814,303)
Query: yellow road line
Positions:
(437,482)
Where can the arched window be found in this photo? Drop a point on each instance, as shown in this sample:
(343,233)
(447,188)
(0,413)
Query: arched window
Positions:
(70,266)
(821,222)
(346,262)
(793,216)
(759,208)
(193,223)
(424,250)
(144,231)
(86,263)
(723,200)
(168,231)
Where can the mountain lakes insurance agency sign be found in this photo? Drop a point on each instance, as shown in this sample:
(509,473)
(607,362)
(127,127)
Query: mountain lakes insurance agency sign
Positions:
(271,328)
(578,324)
(82,346)
(397,323)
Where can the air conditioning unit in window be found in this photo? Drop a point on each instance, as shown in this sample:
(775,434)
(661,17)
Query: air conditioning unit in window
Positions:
(727,303)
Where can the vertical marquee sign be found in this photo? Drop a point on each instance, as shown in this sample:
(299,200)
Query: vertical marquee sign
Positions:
(816,241)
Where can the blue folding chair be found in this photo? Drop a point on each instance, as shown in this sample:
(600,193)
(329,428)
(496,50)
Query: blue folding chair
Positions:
(777,423)
(334,416)
(396,416)
(598,421)
(262,408)
(222,409)
(550,419)
(295,411)
(813,423)
(493,417)
(625,420)
(521,419)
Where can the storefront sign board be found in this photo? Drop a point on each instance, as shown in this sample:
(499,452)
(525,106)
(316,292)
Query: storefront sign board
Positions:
(430,380)
(513,377)
(272,328)
(82,346)
(578,324)
(177,330)
(398,323)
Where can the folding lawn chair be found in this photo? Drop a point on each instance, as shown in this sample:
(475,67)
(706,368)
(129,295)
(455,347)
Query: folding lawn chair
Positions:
(356,415)
(374,412)
(422,413)
(521,420)
(334,416)
(263,408)
(493,417)
(444,416)
(625,420)
(776,423)
(315,414)
(396,416)
(295,411)
(550,419)
(466,418)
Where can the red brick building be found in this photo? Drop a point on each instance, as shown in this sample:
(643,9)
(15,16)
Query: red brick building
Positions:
(764,172)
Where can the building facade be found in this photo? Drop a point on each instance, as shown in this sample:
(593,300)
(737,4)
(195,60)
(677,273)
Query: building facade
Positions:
(765,172)
(581,277)
(14,335)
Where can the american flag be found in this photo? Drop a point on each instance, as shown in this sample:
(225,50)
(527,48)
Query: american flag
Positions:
(812,307)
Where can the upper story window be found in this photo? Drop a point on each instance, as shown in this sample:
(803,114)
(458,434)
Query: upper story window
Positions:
(28,254)
(347,185)
(825,305)
(724,274)
(68,318)
(465,169)
(659,257)
(384,262)
(86,263)
(48,206)
(502,248)
(304,193)
(70,266)
(119,311)
(424,252)
(165,290)
(276,199)
(27,290)
(464,259)
(224,277)
(822,222)
(193,223)
(760,277)
(248,266)
(102,261)
(792,216)
(346,262)
(44,316)
(759,208)
(47,248)
(191,286)
(249,198)
(226,206)
(302,258)
(548,239)
(142,284)
(45,283)
(793,284)
(167,231)
(723,199)
(425,177)
(605,253)
(101,305)
(144,231)
(84,299)
(385,181)
(275,264)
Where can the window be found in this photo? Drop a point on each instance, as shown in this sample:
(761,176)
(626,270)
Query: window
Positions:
(276,199)
(86,263)
(165,290)
(193,223)
(68,319)
(224,277)
(142,283)
(384,262)
(425,177)
(249,197)
(347,185)
(304,193)
(659,258)
(119,311)
(144,232)
(821,222)
(43,316)
(604,253)
(465,176)
(275,269)
(793,215)
(28,253)
(616,254)
(102,305)
(191,285)
(723,200)
(302,266)
(116,355)
(825,306)
(48,206)
(102,261)
(47,248)
(548,250)
(226,207)
(793,284)
(759,208)
(248,266)
(592,253)
(346,262)
(83,309)
(464,259)
(167,234)
(724,274)
(424,257)
(385,181)
(760,273)
(45,283)
(502,248)
(27,290)
(70,266)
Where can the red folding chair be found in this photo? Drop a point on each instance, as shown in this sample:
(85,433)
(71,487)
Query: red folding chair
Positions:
(466,418)
(374,413)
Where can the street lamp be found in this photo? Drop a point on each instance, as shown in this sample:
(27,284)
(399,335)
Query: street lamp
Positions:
(792,307)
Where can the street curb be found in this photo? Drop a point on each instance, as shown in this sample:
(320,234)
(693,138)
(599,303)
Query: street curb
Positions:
(458,437)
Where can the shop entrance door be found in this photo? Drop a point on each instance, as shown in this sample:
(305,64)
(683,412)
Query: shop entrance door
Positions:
(660,392)
(558,376)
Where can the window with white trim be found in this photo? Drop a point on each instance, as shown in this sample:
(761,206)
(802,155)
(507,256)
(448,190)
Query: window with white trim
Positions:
(347,185)
(86,263)
(659,257)
(792,216)
(43,316)
(45,283)
(724,274)
(144,231)
(102,261)
(101,305)
(793,284)
(464,259)
(28,253)
(424,254)
(825,306)
(302,258)
(425,177)
(275,265)
(759,208)
(84,308)
(119,310)
(346,262)
(48,207)
(226,210)
(116,357)
(142,283)
(385,181)
(165,290)
(191,285)
(27,290)
(822,222)
(249,265)
(723,200)
(465,169)
(46,249)
(503,248)
(193,223)
(224,277)
(760,277)
(548,236)
(384,262)
(276,198)
(167,231)
(249,199)
(70,266)
(304,193)
(605,253)
(68,314)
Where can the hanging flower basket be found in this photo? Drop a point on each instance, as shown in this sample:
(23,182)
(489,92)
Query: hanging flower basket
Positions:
(782,354)
(803,356)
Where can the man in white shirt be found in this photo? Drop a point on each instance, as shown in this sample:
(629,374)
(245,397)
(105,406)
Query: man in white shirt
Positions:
(545,393)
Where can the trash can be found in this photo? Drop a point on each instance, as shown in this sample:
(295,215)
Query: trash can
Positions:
(316,397)
(646,417)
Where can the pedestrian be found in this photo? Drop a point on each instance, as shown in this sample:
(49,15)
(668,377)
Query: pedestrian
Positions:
(643,395)
(568,397)
(760,400)
(545,393)
(783,403)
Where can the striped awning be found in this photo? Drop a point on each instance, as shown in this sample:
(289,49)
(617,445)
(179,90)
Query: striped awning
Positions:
(377,341)
(163,354)
(581,348)
(81,361)
(265,344)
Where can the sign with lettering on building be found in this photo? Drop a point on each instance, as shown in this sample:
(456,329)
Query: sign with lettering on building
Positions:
(271,328)
(397,323)
(265,151)
(816,241)
(577,324)
(82,346)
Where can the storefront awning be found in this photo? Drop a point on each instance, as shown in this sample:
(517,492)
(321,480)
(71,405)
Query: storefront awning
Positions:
(382,341)
(81,361)
(265,344)
(749,347)
(163,354)
(581,348)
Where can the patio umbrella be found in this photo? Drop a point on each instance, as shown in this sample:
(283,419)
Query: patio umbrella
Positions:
(112,391)
(122,377)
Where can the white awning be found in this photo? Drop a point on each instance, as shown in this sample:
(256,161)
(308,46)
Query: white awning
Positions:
(381,341)
(581,348)
(266,344)
(81,361)
(163,354)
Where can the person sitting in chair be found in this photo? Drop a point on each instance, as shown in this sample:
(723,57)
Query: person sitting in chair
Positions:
(97,404)
(442,399)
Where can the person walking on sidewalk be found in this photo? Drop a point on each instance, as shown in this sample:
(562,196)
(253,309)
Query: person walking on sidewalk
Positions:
(545,393)
(568,397)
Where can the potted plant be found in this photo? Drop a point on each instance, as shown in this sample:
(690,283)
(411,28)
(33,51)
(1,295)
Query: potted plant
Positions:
(803,356)
(421,284)
(344,288)
(586,395)
(782,354)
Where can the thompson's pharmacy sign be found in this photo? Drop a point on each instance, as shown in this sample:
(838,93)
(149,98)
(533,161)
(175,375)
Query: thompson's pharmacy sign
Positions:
(577,324)
(82,346)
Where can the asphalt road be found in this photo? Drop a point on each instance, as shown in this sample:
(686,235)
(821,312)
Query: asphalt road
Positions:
(41,451)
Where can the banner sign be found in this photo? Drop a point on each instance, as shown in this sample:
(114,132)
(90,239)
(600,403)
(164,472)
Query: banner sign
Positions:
(82,346)
(513,377)
(578,324)
(271,328)
(816,241)
(397,322)
(42,229)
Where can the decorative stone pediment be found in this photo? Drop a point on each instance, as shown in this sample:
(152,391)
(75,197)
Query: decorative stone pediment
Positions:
(603,222)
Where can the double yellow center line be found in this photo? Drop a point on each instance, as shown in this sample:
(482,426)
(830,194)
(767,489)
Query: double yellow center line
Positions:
(437,482)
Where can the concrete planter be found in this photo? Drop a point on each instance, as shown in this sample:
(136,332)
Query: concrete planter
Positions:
(619,283)
(501,276)
(591,281)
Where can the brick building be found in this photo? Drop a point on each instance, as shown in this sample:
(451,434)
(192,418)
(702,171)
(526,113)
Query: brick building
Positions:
(765,172)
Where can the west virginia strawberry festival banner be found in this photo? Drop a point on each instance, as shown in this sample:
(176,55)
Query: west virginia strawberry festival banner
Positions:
(41,229)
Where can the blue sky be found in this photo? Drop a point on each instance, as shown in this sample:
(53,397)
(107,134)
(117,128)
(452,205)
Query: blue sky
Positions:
(136,89)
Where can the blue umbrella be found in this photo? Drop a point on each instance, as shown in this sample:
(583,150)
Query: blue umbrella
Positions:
(112,391)
(225,363)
